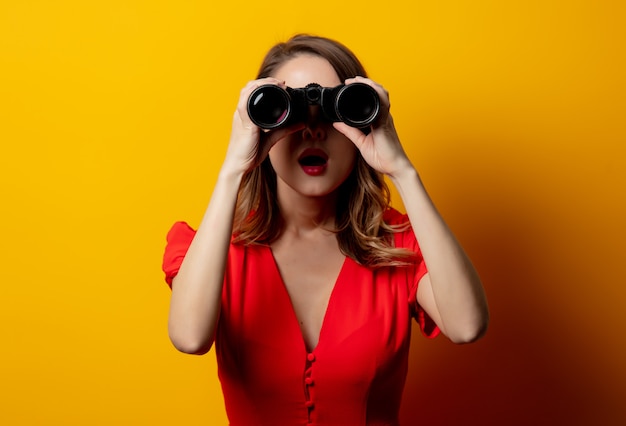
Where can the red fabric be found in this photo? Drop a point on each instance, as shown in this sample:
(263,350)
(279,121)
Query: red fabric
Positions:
(178,241)
(356,373)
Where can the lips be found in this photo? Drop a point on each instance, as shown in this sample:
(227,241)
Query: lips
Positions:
(313,161)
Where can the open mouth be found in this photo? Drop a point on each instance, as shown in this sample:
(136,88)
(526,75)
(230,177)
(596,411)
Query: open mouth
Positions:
(313,161)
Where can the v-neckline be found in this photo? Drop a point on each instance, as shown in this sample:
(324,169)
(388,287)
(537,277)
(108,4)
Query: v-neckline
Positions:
(329,306)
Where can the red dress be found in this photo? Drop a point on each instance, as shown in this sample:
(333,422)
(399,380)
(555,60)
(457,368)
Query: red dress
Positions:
(355,375)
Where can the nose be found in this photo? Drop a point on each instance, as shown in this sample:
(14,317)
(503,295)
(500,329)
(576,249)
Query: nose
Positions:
(314,129)
(313,132)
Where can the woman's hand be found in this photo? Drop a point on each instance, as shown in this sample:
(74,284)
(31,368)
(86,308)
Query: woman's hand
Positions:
(451,292)
(249,145)
(197,288)
(381,148)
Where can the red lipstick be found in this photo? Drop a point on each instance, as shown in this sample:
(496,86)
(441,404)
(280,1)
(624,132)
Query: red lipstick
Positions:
(313,161)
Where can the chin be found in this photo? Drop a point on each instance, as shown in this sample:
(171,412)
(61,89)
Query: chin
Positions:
(316,191)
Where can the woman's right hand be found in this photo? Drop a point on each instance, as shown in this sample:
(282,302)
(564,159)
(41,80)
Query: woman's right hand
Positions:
(249,145)
(197,288)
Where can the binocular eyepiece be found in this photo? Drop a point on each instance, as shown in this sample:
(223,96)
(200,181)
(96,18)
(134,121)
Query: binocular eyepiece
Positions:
(271,107)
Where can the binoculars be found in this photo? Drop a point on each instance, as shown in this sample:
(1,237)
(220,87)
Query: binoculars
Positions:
(271,107)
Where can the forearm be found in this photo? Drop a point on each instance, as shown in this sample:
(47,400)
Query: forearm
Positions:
(457,291)
(196,290)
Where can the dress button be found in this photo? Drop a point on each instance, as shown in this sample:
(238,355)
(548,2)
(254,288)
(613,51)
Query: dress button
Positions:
(308,381)
(309,404)
(311,357)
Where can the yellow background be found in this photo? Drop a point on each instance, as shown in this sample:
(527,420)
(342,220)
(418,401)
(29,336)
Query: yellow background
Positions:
(114,118)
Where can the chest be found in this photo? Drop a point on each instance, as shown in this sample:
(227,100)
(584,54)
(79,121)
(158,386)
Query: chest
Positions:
(263,304)
(365,331)
(309,275)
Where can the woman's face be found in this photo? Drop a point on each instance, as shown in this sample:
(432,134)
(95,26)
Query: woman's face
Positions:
(317,160)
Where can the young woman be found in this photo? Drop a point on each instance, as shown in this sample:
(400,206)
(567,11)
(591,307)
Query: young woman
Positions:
(302,274)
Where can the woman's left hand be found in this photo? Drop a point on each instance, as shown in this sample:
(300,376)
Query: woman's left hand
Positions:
(381,148)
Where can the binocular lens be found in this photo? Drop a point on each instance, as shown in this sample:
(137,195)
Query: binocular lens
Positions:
(357,105)
(268,106)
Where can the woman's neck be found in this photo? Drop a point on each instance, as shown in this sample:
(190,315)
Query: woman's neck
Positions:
(302,213)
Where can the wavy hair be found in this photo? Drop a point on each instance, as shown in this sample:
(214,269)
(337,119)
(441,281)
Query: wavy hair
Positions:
(363,198)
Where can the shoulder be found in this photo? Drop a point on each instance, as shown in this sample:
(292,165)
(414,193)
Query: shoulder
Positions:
(392,216)
(180,232)
(178,238)
(402,231)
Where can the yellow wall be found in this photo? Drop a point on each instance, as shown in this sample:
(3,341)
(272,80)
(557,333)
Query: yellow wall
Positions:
(114,116)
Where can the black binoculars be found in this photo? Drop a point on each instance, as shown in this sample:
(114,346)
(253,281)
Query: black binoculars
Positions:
(271,107)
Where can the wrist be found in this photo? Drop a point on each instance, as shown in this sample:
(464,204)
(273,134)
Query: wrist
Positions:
(406,173)
(231,172)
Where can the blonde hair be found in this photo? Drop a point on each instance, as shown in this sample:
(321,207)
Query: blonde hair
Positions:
(363,198)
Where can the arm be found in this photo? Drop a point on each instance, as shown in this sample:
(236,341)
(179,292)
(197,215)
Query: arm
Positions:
(197,289)
(451,292)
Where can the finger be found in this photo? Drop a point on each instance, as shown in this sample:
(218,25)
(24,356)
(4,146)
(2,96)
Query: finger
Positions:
(365,80)
(281,133)
(355,135)
(254,84)
(269,138)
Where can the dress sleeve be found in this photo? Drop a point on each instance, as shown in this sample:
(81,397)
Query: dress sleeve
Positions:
(178,239)
(406,239)
(427,325)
